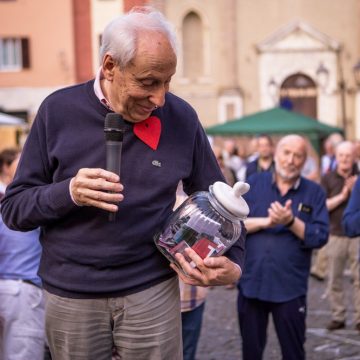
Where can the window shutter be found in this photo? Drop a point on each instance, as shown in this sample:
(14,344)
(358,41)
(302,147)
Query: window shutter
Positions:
(25,51)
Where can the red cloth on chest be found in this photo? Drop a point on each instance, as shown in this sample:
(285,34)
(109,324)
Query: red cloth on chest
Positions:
(149,131)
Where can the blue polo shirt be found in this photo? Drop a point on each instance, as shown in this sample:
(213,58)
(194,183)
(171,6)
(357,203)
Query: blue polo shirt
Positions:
(19,254)
(277,262)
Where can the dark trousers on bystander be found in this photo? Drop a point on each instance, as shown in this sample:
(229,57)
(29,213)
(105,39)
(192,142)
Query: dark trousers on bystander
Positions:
(289,321)
(191,327)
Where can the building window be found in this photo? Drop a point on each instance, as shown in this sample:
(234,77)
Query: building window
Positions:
(193,46)
(14,54)
(230,106)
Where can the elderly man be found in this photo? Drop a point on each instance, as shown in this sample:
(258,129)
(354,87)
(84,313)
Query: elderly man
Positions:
(106,283)
(288,218)
(338,185)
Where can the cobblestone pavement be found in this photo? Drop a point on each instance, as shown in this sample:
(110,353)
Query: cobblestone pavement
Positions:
(220,338)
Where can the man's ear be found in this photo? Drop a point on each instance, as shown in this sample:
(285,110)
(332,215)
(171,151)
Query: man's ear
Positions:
(108,67)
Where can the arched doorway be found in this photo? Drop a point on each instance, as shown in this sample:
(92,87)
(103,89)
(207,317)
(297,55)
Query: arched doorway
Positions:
(299,93)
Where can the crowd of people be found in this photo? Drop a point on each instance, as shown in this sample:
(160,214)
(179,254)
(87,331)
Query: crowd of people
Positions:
(275,274)
(101,287)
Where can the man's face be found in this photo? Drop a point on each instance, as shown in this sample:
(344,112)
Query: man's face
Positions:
(135,91)
(345,157)
(265,148)
(289,159)
(328,148)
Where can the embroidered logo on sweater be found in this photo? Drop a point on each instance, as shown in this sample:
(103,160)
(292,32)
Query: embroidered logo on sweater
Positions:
(156,163)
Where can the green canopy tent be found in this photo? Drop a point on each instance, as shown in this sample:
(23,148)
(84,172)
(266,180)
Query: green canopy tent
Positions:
(276,121)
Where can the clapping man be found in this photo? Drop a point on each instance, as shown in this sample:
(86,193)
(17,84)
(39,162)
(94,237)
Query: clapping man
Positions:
(288,219)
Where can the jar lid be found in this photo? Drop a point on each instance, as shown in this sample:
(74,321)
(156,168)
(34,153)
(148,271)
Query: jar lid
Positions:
(231,197)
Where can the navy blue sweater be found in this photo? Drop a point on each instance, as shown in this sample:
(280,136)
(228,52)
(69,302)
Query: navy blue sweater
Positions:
(84,255)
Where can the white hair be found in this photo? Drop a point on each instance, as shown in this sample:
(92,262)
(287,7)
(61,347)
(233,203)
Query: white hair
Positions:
(292,138)
(348,145)
(120,35)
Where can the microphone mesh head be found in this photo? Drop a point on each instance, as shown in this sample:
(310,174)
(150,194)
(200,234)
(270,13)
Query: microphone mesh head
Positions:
(113,122)
(114,127)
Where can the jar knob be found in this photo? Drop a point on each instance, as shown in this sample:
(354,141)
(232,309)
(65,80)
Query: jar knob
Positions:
(231,197)
(240,188)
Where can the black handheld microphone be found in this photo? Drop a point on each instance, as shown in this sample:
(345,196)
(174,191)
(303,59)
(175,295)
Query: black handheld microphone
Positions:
(114,129)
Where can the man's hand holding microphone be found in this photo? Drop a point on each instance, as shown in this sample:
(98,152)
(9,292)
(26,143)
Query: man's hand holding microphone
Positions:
(98,187)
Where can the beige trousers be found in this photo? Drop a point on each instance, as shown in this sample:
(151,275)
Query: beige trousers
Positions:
(341,250)
(142,326)
(320,265)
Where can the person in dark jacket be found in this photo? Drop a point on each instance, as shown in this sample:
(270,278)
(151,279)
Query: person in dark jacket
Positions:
(265,158)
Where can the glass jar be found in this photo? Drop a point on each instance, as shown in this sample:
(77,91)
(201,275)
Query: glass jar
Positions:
(208,222)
